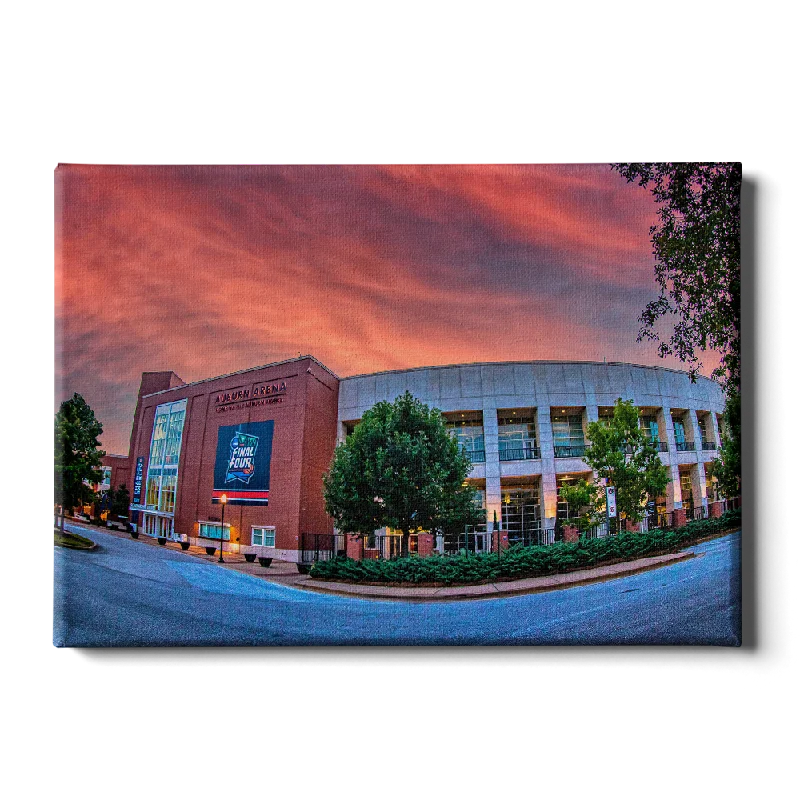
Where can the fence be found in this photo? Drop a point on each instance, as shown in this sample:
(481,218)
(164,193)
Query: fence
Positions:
(532,537)
(469,541)
(321,547)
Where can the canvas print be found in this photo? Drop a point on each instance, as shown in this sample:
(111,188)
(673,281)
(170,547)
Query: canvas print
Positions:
(397,405)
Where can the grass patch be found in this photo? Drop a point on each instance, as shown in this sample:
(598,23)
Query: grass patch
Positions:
(72,540)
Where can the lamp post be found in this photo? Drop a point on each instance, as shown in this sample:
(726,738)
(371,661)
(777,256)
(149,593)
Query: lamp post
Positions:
(223,501)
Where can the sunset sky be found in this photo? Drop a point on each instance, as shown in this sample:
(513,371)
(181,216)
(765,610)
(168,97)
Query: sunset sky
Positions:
(209,270)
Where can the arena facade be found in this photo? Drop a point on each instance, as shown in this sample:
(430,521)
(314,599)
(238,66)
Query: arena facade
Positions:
(262,438)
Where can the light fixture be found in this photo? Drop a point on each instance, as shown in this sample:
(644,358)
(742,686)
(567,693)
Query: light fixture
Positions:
(223,500)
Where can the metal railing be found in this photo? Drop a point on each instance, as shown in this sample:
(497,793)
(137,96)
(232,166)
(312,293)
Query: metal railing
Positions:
(595,532)
(321,547)
(569,451)
(475,456)
(709,445)
(684,446)
(527,451)
(532,537)
(729,503)
(662,447)
(469,542)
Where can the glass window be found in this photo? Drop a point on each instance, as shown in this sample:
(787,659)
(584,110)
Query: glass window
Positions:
(165,449)
(522,513)
(686,491)
(264,536)
(649,424)
(467,427)
(567,435)
(516,434)
(210,530)
(680,431)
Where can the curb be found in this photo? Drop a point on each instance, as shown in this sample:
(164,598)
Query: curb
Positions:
(548,583)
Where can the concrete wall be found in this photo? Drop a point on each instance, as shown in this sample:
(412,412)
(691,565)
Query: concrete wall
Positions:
(545,385)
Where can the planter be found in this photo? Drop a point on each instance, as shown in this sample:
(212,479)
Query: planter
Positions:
(162,540)
(134,534)
(249,557)
(265,562)
(184,545)
(304,569)
(211,550)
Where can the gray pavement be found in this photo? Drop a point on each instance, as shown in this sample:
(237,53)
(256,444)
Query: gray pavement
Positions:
(285,573)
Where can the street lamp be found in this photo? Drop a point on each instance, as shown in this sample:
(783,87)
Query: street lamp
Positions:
(223,500)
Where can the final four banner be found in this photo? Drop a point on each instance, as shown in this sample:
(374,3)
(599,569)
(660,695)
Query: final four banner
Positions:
(241,468)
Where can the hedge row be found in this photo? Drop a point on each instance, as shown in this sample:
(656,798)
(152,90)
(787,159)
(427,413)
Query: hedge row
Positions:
(523,562)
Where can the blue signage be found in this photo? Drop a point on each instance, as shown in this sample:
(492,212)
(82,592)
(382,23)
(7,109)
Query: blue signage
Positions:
(138,477)
(241,468)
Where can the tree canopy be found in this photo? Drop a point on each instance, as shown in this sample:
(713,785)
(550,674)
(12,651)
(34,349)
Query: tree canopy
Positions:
(621,455)
(400,468)
(696,247)
(77,451)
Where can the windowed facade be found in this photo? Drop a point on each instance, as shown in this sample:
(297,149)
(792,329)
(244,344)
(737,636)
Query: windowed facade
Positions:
(686,492)
(162,470)
(568,441)
(516,434)
(522,513)
(467,427)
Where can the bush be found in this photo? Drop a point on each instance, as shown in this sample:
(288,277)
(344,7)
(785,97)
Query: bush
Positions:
(523,562)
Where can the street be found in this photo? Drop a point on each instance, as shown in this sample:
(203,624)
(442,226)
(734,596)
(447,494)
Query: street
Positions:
(126,595)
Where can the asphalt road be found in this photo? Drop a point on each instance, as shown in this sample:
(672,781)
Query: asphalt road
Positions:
(126,595)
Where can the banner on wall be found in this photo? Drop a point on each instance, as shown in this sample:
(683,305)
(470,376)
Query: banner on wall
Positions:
(241,468)
(138,477)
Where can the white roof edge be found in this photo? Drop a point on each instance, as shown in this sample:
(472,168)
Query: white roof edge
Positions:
(527,363)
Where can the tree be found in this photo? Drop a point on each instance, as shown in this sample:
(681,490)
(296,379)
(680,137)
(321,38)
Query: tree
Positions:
(621,455)
(77,453)
(696,244)
(120,501)
(401,469)
(728,467)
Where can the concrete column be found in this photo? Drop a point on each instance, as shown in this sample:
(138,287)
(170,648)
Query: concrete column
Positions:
(665,430)
(548,488)
(492,466)
(696,436)
(667,434)
(673,490)
(699,485)
(592,415)
(715,431)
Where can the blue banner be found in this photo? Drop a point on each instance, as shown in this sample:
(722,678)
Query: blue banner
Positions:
(138,477)
(241,468)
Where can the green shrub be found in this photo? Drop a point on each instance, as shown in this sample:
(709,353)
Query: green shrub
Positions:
(523,562)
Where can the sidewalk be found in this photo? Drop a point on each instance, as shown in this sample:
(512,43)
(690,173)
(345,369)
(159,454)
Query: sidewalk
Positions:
(285,573)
